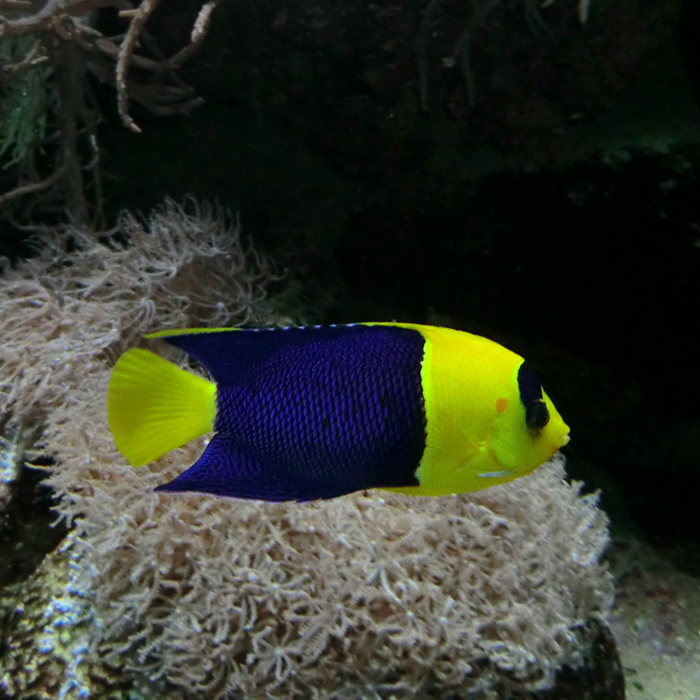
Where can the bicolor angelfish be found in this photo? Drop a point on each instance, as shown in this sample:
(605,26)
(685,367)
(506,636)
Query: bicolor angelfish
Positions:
(306,413)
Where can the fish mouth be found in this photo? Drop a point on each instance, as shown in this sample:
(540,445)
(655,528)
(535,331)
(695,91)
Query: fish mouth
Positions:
(557,445)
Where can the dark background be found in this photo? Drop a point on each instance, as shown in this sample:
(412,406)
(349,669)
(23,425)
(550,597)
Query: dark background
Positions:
(557,211)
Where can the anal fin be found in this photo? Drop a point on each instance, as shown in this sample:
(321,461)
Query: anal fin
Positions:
(225,469)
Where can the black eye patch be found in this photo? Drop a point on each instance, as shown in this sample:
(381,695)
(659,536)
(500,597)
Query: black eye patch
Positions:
(530,389)
(536,415)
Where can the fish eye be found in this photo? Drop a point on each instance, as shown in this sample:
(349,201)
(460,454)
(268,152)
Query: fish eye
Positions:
(536,415)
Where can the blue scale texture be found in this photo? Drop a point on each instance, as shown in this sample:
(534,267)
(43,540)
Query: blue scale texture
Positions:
(306,413)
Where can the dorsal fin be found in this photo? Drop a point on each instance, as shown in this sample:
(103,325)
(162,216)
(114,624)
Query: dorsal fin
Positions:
(232,354)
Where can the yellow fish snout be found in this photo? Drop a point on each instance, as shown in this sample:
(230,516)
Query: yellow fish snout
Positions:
(559,431)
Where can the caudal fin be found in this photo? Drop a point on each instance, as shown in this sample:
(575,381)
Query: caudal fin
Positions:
(153,406)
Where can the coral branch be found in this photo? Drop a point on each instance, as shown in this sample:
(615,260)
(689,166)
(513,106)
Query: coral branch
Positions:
(70,47)
(138,21)
(31,188)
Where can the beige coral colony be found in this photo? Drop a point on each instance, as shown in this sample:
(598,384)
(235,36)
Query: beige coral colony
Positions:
(369,595)
(188,596)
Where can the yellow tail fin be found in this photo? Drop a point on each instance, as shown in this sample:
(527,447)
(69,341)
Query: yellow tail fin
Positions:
(153,406)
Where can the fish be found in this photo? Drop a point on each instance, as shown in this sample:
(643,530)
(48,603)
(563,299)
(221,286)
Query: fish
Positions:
(305,413)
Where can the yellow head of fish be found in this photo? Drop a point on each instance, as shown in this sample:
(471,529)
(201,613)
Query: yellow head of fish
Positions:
(488,419)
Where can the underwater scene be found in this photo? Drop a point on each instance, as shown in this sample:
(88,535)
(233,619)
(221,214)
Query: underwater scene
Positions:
(349,350)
